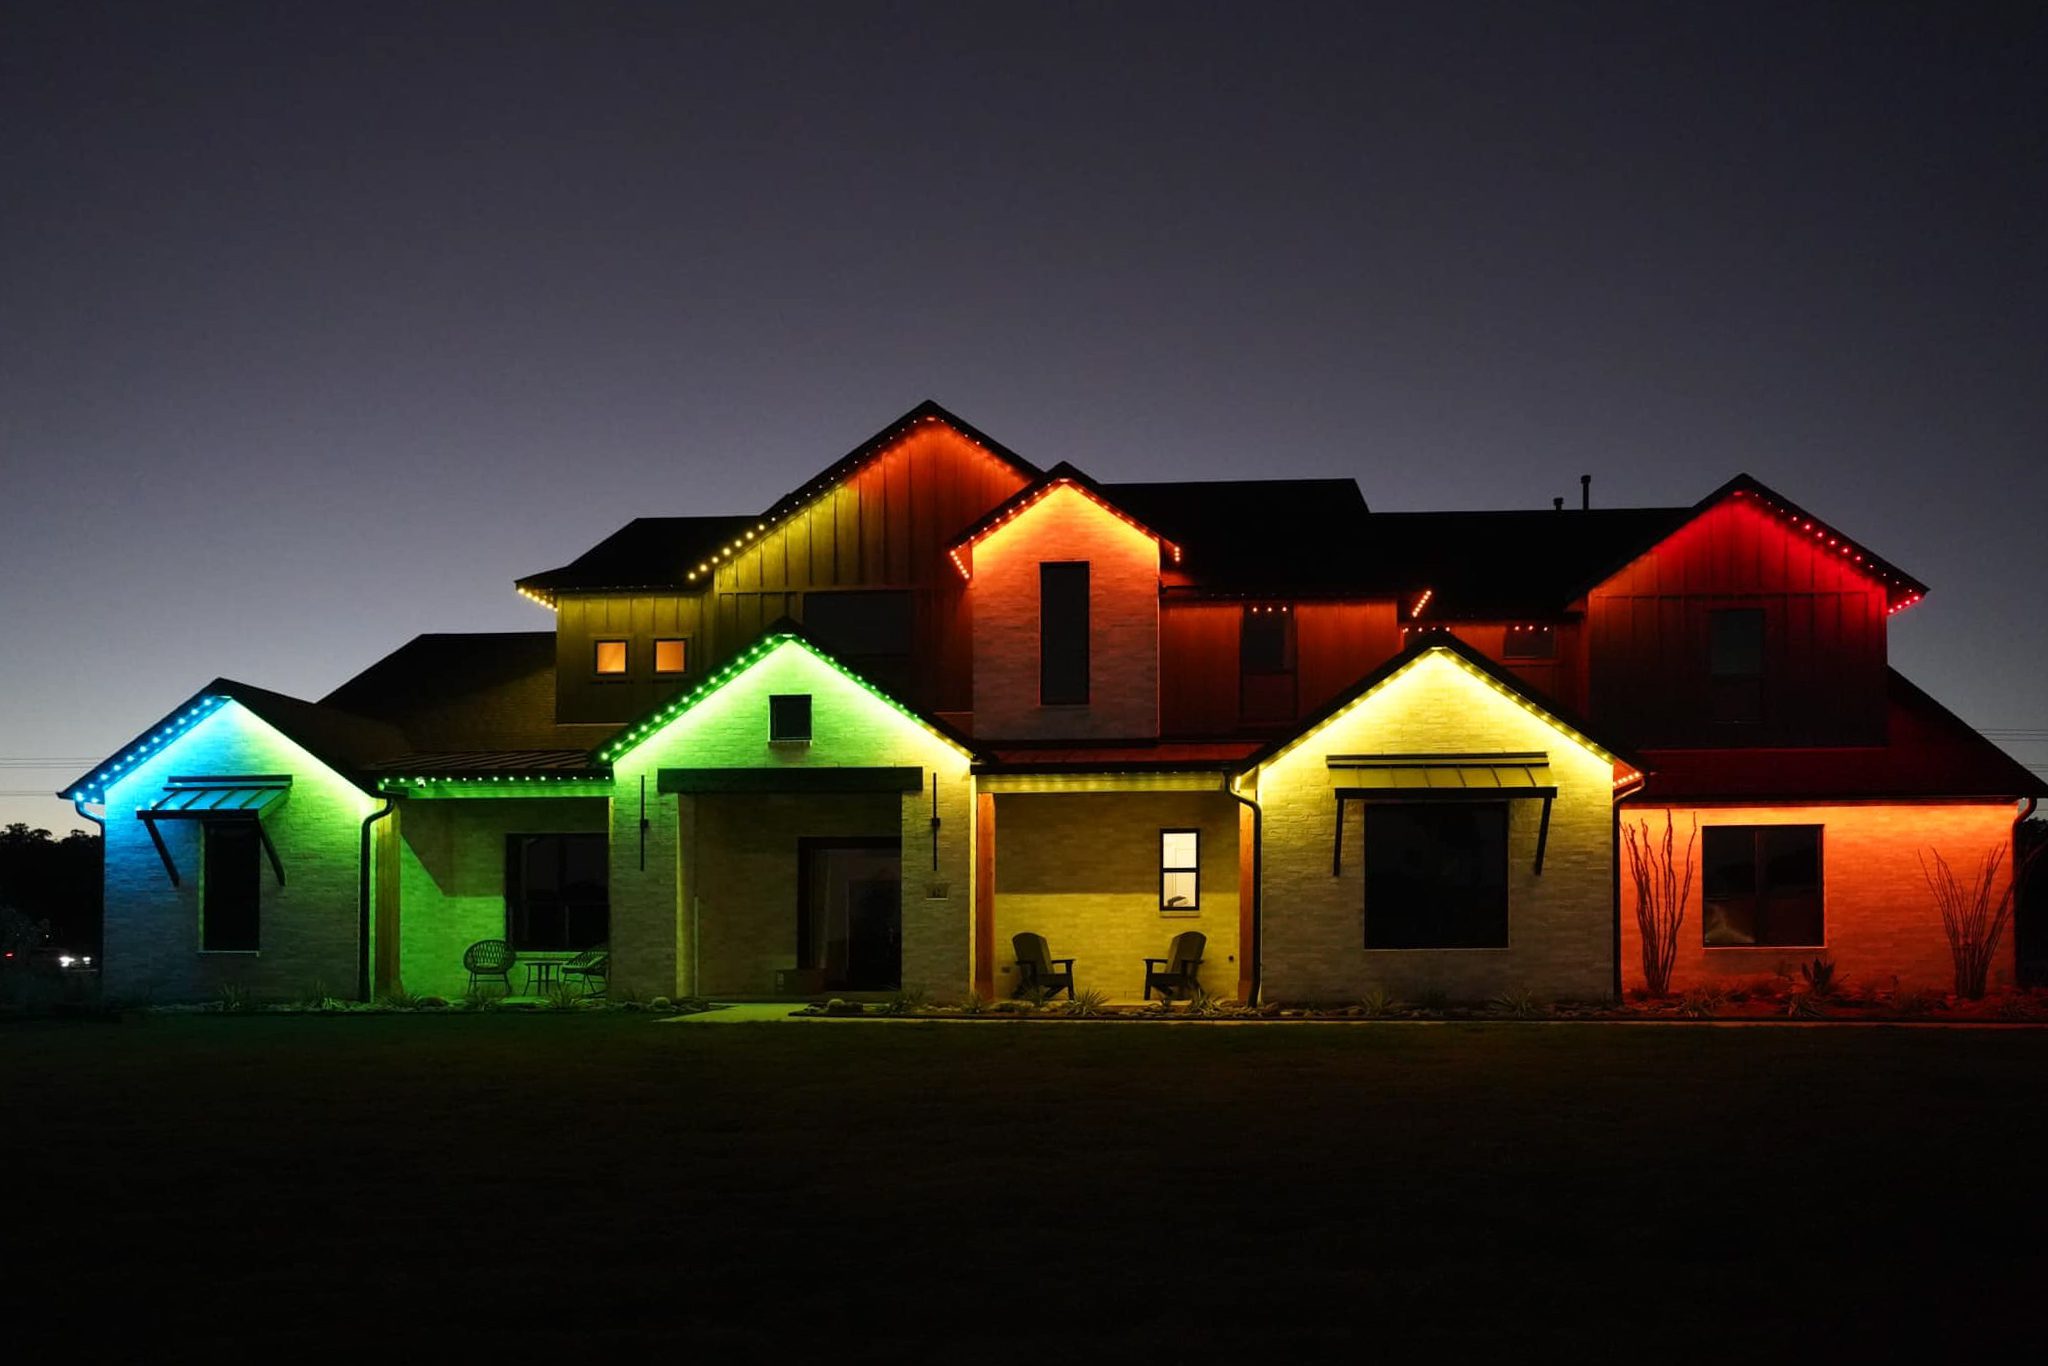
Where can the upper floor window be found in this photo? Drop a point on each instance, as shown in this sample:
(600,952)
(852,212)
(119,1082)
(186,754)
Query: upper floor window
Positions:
(609,658)
(1265,652)
(1735,665)
(789,718)
(1063,633)
(1530,642)
(1761,884)
(671,657)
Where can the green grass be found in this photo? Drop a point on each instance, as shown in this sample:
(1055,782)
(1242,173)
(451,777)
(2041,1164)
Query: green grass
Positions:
(912,1192)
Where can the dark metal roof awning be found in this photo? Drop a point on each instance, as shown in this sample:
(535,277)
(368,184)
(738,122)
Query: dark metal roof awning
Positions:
(1370,778)
(223,797)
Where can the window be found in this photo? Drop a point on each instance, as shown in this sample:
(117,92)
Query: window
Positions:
(1265,653)
(230,887)
(1436,875)
(557,898)
(1530,642)
(1180,871)
(1735,665)
(789,718)
(1063,633)
(671,656)
(1761,884)
(610,659)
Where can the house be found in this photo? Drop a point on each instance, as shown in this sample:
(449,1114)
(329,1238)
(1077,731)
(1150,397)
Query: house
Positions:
(940,696)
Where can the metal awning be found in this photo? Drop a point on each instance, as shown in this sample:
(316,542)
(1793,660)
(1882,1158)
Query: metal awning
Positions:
(1507,776)
(217,797)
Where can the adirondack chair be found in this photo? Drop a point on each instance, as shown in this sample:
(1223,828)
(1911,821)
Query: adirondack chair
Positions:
(490,958)
(1036,967)
(1176,972)
(593,966)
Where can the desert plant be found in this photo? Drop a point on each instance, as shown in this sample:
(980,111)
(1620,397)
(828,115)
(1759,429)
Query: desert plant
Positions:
(1972,918)
(1805,1005)
(1378,1003)
(2018,1007)
(1663,883)
(396,997)
(975,1004)
(233,999)
(1203,1004)
(1521,1004)
(560,997)
(1819,976)
(1088,1003)
(1920,1001)
(1701,1003)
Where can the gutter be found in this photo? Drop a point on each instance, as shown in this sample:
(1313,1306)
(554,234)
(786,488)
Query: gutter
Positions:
(1258,880)
(363,885)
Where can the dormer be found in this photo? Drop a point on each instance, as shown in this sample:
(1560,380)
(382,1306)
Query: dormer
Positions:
(1064,594)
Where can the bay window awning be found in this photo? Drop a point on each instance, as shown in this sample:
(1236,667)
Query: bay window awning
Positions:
(1492,777)
(216,797)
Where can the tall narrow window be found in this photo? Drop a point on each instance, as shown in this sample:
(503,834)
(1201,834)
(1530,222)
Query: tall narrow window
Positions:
(1063,633)
(1180,871)
(231,887)
(1735,665)
(1265,653)
(1761,884)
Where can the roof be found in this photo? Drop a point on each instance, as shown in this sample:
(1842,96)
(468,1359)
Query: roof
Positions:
(670,552)
(647,552)
(1929,752)
(1476,663)
(1062,475)
(1256,536)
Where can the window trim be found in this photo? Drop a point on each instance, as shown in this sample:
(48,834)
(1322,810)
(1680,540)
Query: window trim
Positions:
(1193,907)
(1760,896)
(625,669)
(810,728)
(654,656)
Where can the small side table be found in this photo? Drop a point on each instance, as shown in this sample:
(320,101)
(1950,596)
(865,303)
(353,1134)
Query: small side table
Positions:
(540,973)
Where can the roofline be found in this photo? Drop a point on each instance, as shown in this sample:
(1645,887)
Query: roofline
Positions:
(1062,474)
(629,737)
(1478,663)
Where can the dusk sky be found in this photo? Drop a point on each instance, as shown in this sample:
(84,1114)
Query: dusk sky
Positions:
(324,322)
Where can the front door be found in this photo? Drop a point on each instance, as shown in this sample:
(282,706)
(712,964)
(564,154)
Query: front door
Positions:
(849,920)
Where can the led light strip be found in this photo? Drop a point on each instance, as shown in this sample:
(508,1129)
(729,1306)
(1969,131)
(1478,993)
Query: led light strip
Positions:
(1062,482)
(93,787)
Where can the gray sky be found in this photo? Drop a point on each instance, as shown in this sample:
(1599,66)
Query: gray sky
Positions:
(324,322)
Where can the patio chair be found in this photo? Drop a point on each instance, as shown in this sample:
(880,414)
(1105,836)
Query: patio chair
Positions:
(490,958)
(1037,968)
(1176,972)
(593,966)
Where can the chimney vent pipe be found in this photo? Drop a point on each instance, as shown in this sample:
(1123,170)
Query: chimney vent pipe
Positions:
(1585,492)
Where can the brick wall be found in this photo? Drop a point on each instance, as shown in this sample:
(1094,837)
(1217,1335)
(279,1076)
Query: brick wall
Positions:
(1123,623)
(1082,869)
(1880,920)
(308,925)
(1559,923)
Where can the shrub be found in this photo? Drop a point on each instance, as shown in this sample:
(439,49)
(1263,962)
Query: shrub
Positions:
(233,999)
(1663,882)
(1521,1004)
(1377,1004)
(1701,1003)
(1088,1003)
(1971,917)
(1819,976)
(975,1004)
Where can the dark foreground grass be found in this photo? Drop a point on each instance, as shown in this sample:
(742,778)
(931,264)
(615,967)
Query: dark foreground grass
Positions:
(374,1186)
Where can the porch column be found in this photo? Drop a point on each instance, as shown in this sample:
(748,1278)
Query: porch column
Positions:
(1247,889)
(985,894)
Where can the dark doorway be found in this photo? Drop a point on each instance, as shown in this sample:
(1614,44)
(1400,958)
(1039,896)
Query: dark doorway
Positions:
(849,914)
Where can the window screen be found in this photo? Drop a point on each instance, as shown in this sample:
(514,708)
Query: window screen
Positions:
(1063,633)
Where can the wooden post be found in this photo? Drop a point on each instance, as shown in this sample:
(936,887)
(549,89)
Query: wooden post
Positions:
(1247,872)
(985,894)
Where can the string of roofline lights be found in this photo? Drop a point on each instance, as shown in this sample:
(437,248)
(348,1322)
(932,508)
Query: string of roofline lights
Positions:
(1841,544)
(1063,481)
(93,787)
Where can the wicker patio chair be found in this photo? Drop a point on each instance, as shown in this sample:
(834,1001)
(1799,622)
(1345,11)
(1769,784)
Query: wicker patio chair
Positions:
(1176,972)
(1037,968)
(593,966)
(490,958)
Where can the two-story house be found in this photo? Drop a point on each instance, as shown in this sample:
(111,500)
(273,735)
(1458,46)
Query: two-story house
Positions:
(939,697)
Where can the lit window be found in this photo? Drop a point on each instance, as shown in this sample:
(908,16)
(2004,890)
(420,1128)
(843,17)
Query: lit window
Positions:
(1436,875)
(789,718)
(230,887)
(1180,870)
(1530,642)
(611,659)
(671,656)
(1761,884)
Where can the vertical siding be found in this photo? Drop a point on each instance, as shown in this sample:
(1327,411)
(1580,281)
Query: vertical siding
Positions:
(1198,656)
(1824,637)
(639,619)
(1337,643)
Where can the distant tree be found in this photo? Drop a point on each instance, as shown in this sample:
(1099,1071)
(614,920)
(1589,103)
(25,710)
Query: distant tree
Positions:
(58,881)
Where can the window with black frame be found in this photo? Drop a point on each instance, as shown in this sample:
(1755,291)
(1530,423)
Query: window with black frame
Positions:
(1180,871)
(1761,885)
(557,892)
(1063,633)
(1436,875)
(1735,665)
(1266,667)
(231,887)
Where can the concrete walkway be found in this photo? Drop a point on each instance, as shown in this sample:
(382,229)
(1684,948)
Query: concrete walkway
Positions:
(752,1012)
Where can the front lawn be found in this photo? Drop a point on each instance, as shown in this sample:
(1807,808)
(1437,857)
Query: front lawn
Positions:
(934,1192)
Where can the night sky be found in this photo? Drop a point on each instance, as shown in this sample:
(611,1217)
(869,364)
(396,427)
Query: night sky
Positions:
(321,323)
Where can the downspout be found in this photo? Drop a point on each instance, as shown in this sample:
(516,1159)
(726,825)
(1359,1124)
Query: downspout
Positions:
(363,885)
(2019,882)
(78,805)
(1258,878)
